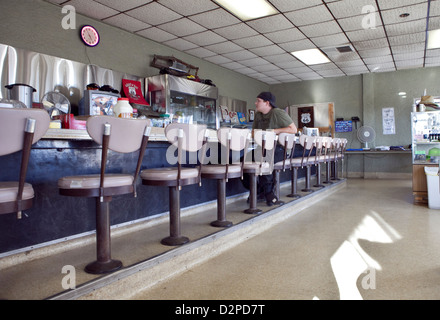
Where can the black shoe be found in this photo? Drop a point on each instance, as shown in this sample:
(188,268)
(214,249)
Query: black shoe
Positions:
(271,199)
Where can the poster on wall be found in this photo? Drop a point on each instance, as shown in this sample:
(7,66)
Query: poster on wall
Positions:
(305,117)
(388,121)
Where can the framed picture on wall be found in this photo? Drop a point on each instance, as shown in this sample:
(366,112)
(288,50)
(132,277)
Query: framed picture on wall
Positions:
(305,117)
(100,102)
(251,115)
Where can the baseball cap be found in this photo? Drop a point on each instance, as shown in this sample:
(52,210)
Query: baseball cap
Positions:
(268,96)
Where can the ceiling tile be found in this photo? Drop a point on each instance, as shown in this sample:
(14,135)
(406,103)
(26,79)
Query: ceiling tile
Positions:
(370,44)
(408,55)
(215,19)
(406,48)
(413,63)
(233,65)
(156,34)
(287,35)
(205,38)
(154,14)
(236,31)
(182,27)
(321,29)
(270,24)
(224,47)
(218,59)
(349,8)
(297,45)
(180,44)
(267,51)
(127,23)
(416,12)
(269,69)
(289,5)
(379,60)
(123,5)
(385,51)
(92,9)
(254,62)
(187,7)
(309,16)
(406,27)
(200,52)
(240,55)
(407,38)
(333,40)
(356,23)
(366,34)
(391,4)
(253,42)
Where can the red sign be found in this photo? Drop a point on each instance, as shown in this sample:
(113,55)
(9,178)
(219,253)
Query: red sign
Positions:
(132,90)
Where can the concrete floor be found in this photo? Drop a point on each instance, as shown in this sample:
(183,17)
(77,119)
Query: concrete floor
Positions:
(358,239)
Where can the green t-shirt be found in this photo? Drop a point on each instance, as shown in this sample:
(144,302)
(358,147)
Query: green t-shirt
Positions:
(274,119)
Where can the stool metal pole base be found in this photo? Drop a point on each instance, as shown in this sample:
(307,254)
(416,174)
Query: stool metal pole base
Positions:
(294,183)
(221,221)
(103,263)
(253,196)
(307,186)
(318,177)
(175,238)
(99,267)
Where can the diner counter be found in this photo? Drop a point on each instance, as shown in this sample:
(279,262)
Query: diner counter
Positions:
(65,152)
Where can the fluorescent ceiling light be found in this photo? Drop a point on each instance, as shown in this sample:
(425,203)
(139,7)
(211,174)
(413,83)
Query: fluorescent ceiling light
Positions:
(311,56)
(434,39)
(248,9)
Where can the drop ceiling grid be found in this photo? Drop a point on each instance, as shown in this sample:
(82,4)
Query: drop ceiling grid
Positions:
(261,47)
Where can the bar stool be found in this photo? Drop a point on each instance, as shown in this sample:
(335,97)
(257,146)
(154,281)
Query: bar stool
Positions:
(19,129)
(335,157)
(235,140)
(288,142)
(307,142)
(261,163)
(122,136)
(343,148)
(183,137)
(319,159)
(327,145)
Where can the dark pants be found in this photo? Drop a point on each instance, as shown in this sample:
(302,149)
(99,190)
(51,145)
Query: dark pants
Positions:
(265,183)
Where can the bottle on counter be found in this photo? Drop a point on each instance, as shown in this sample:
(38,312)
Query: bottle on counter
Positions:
(123,109)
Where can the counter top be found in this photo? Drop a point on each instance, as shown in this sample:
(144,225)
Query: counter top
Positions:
(157,134)
(408,151)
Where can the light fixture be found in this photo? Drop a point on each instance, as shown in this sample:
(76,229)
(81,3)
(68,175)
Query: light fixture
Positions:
(434,39)
(311,56)
(248,9)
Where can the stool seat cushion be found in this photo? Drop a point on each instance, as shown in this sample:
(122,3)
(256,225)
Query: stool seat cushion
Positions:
(280,165)
(218,168)
(255,168)
(9,189)
(92,181)
(168,173)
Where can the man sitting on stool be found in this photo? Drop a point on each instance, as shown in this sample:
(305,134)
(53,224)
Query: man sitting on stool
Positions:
(269,117)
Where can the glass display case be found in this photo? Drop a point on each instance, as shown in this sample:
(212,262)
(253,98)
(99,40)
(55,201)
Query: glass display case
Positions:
(178,99)
(425,127)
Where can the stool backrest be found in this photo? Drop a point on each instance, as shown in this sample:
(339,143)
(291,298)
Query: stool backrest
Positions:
(192,135)
(120,135)
(307,142)
(13,123)
(125,136)
(233,137)
(19,129)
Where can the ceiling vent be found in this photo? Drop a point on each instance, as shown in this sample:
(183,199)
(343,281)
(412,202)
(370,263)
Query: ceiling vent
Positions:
(341,49)
(345,49)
